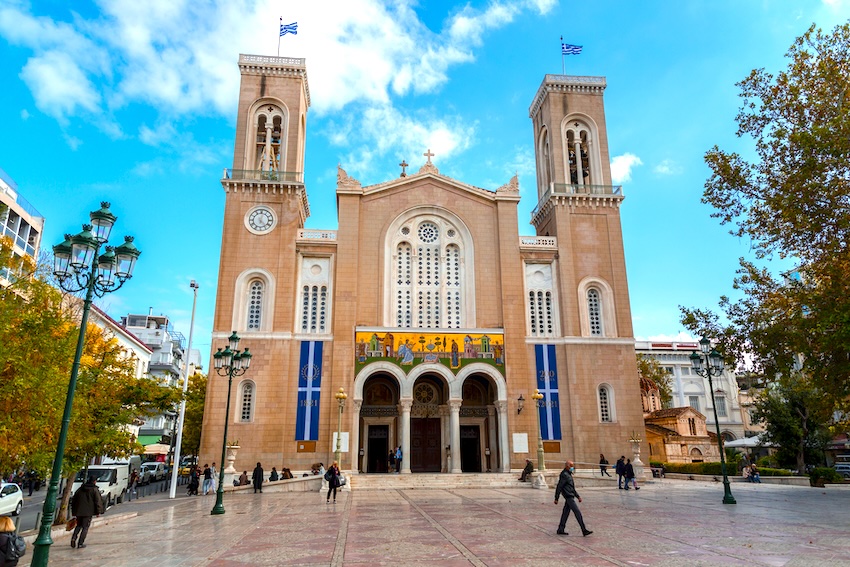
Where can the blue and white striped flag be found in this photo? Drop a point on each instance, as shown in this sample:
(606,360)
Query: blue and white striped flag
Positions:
(567,49)
(289,28)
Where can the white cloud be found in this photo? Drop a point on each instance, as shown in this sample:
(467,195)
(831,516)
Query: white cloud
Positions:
(668,167)
(156,136)
(61,89)
(24,114)
(621,167)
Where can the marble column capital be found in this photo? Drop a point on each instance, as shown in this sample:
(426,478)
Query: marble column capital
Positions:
(406,404)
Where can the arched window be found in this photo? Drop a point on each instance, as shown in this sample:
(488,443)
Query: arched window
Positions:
(541,310)
(255,305)
(269,133)
(606,403)
(594,312)
(545,159)
(315,295)
(246,402)
(578,141)
(429,289)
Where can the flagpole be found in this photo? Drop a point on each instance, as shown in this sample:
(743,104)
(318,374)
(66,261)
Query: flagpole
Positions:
(563,67)
(278,37)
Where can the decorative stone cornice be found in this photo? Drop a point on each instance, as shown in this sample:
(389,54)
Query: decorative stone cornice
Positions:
(345,183)
(574,202)
(565,84)
(429,168)
(271,188)
(276,66)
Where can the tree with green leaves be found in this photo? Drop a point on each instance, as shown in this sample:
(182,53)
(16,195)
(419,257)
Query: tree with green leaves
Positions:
(792,200)
(652,370)
(796,418)
(194,417)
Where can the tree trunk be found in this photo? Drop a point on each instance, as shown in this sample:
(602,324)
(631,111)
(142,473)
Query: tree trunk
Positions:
(63,514)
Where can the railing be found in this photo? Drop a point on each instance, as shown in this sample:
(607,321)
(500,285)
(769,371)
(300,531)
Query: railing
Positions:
(308,234)
(538,242)
(268,60)
(257,175)
(573,189)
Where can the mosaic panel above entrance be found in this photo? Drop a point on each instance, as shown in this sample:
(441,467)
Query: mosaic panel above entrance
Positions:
(410,349)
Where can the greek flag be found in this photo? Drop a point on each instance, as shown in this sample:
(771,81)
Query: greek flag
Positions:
(289,28)
(566,48)
(309,387)
(547,384)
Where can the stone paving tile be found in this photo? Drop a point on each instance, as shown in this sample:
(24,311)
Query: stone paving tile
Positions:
(665,524)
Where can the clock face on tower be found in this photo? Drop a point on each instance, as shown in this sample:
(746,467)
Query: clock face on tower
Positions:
(260,220)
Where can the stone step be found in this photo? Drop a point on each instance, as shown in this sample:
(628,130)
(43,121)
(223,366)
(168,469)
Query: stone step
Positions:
(385,481)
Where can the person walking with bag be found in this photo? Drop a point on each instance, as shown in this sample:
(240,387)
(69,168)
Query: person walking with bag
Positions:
(257,478)
(567,488)
(630,475)
(85,504)
(10,543)
(332,476)
(620,469)
(603,465)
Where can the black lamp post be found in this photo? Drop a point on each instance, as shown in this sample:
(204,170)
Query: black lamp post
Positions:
(708,364)
(78,267)
(229,362)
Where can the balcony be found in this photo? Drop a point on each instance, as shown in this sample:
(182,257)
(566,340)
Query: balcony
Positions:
(570,189)
(316,235)
(538,242)
(268,176)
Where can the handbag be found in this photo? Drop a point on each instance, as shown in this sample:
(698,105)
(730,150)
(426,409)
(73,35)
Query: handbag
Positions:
(71,524)
(328,475)
(342,479)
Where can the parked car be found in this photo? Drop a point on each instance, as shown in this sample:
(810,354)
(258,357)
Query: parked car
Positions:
(111,480)
(843,469)
(156,471)
(11,498)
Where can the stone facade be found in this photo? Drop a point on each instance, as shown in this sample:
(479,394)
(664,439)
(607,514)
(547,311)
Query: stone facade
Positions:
(679,435)
(426,305)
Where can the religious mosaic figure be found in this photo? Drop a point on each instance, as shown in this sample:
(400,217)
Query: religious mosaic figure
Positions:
(361,351)
(406,354)
(455,355)
(497,353)
(388,348)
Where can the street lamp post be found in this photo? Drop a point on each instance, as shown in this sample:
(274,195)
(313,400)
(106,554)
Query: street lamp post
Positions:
(708,364)
(229,362)
(175,469)
(541,462)
(77,267)
(340,398)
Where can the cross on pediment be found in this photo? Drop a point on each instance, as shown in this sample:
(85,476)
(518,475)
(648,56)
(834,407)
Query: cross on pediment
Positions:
(428,155)
(403,166)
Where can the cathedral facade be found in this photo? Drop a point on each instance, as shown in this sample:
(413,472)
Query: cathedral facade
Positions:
(427,307)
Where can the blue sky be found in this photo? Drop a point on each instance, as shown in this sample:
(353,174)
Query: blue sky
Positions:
(135,103)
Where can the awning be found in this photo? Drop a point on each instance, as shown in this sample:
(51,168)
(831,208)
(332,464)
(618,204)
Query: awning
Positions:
(747,443)
(148,439)
(157,449)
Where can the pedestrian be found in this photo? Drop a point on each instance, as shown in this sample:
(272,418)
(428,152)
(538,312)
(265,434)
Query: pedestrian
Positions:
(31,481)
(193,481)
(243,479)
(8,532)
(213,472)
(630,475)
(567,488)
(603,465)
(273,476)
(85,504)
(333,481)
(391,461)
(754,473)
(208,483)
(398,459)
(257,478)
(620,469)
(529,468)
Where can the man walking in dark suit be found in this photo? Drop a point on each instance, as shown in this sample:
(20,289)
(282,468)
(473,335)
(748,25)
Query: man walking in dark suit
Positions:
(567,489)
(620,469)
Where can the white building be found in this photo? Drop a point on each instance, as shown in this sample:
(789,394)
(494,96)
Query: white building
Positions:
(167,346)
(691,389)
(19,221)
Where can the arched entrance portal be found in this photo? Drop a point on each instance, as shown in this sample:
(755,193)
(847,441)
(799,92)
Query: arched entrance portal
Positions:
(379,414)
(426,424)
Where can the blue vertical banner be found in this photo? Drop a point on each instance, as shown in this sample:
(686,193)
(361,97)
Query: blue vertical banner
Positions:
(547,384)
(309,389)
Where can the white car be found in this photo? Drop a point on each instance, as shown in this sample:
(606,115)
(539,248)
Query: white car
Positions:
(843,469)
(11,499)
(155,471)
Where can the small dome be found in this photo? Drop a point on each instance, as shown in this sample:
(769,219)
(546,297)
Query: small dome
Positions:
(647,385)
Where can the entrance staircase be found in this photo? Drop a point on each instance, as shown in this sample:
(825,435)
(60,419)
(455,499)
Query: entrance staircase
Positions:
(384,481)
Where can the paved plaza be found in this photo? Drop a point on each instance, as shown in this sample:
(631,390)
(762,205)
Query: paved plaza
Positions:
(666,523)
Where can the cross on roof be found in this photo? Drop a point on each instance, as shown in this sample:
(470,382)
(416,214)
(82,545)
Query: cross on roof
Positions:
(403,165)
(428,155)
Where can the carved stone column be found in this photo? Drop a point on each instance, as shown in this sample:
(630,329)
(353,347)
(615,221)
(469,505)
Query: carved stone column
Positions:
(454,425)
(495,449)
(504,450)
(405,435)
(445,438)
(354,446)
